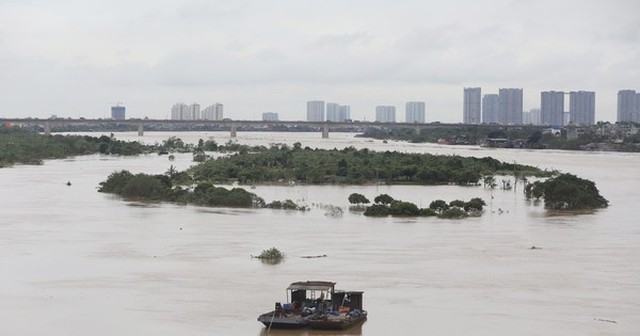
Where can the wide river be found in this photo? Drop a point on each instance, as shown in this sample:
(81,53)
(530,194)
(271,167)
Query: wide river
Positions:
(74,261)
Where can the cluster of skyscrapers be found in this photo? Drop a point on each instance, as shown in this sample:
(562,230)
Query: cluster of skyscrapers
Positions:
(182,111)
(629,106)
(506,108)
(334,111)
(414,112)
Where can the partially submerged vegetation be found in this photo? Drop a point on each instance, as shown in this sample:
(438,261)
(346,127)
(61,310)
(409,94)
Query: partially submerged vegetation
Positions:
(385,206)
(567,192)
(272,255)
(19,146)
(176,187)
(284,164)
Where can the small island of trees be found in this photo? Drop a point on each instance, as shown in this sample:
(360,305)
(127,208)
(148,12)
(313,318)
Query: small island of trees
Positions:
(566,192)
(282,164)
(279,164)
(386,205)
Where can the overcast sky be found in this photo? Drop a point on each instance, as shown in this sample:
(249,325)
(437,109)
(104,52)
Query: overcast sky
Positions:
(78,57)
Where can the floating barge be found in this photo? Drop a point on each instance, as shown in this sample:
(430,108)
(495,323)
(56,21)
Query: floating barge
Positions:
(316,305)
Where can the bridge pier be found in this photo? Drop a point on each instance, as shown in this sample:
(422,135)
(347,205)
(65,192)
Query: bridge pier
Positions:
(140,129)
(234,131)
(417,130)
(325,131)
(47,128)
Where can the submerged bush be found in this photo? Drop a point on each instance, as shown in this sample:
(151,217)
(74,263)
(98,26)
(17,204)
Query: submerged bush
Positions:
(453,213)
(453,210)
(272,254)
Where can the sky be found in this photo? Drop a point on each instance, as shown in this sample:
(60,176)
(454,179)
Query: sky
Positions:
(77,58)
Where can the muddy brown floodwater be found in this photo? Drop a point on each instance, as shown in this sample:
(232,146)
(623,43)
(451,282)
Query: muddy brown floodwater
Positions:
(77,262)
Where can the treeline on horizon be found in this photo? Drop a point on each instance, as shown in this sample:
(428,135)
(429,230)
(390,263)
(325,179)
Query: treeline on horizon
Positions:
(530,136)
(19,146)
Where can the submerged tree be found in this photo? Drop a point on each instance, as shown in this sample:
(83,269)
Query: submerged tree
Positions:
(356,198)
(566,192)
(383,199)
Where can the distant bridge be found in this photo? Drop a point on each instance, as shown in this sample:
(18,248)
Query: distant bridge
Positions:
(233,125)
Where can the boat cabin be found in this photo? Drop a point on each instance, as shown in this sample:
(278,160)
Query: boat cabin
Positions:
(310,294)
(348,299)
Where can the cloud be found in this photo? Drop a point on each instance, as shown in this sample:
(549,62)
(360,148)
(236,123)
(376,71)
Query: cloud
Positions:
(72,55)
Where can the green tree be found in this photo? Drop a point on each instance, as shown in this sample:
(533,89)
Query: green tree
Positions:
(383,199)
(439,205)
(377,210)
(356,198)
(144,186)
(406,209)
(475,204)
(567,191)
(453,213)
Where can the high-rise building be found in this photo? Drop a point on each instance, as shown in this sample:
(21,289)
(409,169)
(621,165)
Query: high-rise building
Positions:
(531,117)
(194,112)
(510,106)
(333,112)
(415,112)
(345,113)
(628,106)
(270,116)
(118,112)
(472,104)
(552,108)
(386,114)
(535,115)
(490,108)
(213,112)
(315,110)
(179,111)
(582,107)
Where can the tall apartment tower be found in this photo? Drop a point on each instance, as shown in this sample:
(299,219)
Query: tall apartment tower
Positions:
(194,112)
(118,112)
(415,112)
(532,117)
(628,106)
(269,116)
(179,111)
(510,106)
(345,113)
(333,112)
(315,110)
(472,104)
(490,108)
(213,112)
(582,107)
(386,113)
(337,112)
(552,108)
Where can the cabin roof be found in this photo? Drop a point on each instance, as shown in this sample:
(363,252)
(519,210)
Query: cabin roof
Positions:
(312,285)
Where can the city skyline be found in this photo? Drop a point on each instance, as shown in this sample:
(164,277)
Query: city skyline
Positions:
(552,110)
(76,60)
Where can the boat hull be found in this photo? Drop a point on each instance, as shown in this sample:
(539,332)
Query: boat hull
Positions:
(337,323)
(291,321)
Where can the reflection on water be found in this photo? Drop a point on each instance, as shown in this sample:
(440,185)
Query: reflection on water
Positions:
(82,262)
